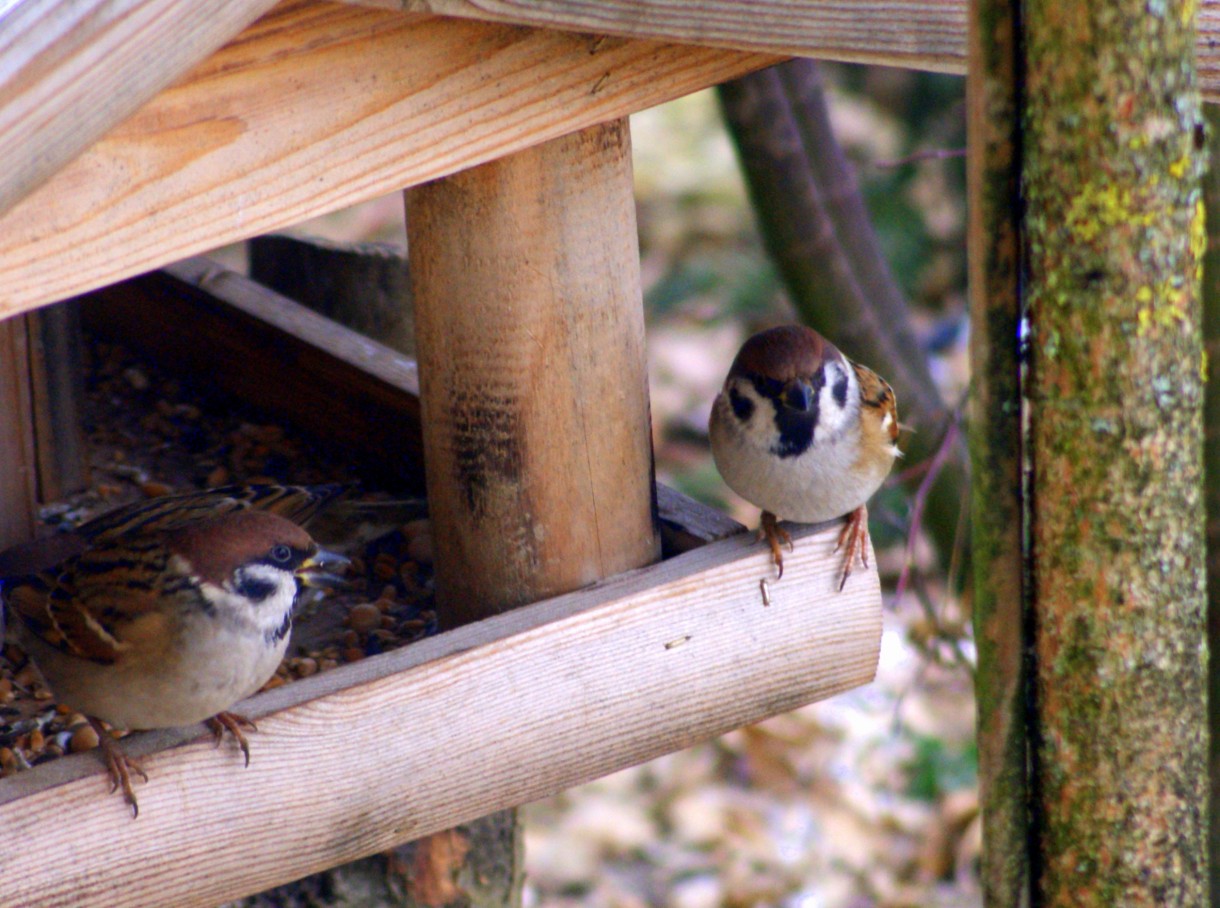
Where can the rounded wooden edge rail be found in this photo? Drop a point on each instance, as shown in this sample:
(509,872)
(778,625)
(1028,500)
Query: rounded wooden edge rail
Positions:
(491,715)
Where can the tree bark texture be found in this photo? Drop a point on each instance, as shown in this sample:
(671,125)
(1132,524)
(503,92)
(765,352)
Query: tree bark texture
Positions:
(816,227)
(1114,224)
(1211,455)
(1001,626)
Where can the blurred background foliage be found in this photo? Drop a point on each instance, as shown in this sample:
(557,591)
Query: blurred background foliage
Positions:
(870,798)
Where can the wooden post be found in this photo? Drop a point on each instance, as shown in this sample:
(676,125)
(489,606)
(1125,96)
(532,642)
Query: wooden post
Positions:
(57,381)
(537,443)
(18,467)
(532,374)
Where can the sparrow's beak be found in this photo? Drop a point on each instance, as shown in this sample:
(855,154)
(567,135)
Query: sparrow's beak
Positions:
(322,570)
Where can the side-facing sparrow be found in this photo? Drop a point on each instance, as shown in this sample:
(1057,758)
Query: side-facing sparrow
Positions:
(804,433)
(168,611)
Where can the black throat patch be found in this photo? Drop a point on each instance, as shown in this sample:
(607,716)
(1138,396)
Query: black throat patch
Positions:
(795,427)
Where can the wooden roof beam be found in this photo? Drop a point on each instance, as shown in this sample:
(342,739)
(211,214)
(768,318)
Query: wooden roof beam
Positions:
(70,70)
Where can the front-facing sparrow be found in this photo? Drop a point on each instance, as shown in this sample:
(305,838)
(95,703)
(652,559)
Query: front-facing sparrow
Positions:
(167,612)
(804,433)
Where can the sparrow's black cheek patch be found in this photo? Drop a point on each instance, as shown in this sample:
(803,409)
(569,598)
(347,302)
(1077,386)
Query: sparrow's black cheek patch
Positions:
(840,391)
(743,407)
(256,589)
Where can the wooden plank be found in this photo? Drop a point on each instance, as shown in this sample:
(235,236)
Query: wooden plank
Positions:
(918,34)
(1003,628)
(18,464)
(361,285)
(70,70)
(318,106)
(494,714)
(687,524)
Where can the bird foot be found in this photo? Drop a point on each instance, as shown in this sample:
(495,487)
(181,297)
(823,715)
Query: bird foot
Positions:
(854,536)
(233,724)
(118,765)
(776,536)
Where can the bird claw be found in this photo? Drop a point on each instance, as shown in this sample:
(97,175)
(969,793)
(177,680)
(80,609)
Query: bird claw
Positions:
(118,765)
(855,536)
(770,530)
(233,724)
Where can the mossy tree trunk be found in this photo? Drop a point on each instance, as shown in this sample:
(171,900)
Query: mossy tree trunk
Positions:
(1001,625)
(1211,449)
(1112,156)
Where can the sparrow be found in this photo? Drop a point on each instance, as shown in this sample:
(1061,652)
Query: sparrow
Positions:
(168,611)
(803,432)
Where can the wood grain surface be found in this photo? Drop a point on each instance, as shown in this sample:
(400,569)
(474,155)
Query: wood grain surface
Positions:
(920,34)
(318,106)
(533,384)
(498,713)
(18,459)
(916,34)
(525,276)
(70,70)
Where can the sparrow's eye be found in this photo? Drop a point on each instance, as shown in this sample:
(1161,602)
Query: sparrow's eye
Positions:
(281,554)
(798,395)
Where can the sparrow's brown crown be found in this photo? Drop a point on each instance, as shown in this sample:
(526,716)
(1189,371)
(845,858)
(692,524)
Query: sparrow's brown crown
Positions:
(216,548)
(784,353)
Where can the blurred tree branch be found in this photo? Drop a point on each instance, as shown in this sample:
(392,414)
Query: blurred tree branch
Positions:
(817,229)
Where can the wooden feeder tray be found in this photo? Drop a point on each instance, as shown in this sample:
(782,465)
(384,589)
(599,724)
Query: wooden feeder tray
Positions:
(446,729)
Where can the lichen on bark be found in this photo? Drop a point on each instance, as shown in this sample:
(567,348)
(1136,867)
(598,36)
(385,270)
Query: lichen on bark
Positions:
(1114,229)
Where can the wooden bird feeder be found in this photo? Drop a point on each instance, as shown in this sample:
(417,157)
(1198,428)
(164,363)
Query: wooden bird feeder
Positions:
(136,134)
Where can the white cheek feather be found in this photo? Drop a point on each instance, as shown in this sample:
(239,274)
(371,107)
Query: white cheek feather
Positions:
(267,614)
(759,429)
(834,418)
